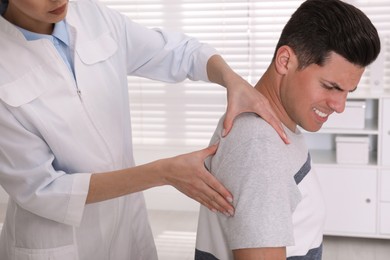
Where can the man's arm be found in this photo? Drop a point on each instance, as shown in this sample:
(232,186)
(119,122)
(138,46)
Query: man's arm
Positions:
(266,253)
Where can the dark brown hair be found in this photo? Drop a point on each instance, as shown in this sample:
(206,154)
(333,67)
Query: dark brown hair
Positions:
(319,27)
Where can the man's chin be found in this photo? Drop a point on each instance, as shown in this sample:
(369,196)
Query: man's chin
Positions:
(312,128)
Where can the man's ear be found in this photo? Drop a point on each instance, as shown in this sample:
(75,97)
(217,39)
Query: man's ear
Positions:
(284,59)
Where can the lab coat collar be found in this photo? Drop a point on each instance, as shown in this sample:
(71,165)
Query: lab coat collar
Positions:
(10,29)
(59,32)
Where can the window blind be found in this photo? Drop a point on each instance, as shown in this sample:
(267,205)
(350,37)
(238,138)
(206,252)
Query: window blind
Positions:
(170,119)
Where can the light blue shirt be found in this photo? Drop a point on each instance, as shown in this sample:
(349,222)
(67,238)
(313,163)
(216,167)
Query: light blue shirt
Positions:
(59,38)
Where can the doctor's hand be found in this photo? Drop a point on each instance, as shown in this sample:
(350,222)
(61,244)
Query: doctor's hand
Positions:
(242,97)
(188,174)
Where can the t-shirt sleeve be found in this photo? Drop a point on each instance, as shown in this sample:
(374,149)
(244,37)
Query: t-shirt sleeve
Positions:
(265,196)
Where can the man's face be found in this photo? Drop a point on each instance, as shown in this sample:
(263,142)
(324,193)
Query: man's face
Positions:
(310,95)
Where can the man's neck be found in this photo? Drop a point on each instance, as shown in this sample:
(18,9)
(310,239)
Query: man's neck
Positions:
(269,85)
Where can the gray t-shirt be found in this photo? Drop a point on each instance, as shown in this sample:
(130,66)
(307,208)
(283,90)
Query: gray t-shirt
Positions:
(276,194)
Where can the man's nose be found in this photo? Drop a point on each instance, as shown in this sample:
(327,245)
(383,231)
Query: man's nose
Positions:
(338,101)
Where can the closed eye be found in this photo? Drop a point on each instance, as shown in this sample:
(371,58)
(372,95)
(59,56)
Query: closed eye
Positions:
(330,87)
(335,86)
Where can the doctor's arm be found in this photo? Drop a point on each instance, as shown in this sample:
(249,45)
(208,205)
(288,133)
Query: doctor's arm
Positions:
(184,58)
(184,172)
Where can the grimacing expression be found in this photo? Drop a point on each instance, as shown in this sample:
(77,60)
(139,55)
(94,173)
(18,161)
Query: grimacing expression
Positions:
(312,94)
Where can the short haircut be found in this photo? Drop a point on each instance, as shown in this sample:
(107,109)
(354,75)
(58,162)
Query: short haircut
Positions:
(319,27)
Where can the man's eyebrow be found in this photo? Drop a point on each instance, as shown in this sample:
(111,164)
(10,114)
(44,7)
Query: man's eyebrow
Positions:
(337,86)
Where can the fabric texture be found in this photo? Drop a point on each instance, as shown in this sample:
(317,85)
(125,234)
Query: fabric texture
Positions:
(54,134)
(277,197)
(3,7)
(313,254)
(60,40)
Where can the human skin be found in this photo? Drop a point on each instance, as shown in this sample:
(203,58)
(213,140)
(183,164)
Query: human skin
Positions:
(305,97)
(36,15)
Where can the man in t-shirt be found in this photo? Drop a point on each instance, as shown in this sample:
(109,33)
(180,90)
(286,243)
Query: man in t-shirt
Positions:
(279,210)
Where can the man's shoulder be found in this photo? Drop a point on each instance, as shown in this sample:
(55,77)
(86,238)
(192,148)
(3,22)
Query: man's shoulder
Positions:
(249,128)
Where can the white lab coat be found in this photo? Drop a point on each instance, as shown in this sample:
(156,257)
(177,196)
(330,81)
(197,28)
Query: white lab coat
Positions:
(52,138)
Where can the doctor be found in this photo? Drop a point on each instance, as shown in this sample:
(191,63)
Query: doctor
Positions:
(66,156)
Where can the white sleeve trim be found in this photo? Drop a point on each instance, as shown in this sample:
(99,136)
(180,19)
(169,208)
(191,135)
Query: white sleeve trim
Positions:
(78,198)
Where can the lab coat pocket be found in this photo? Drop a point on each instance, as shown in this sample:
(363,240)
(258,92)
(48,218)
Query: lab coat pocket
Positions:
(25,89)
(59,253)
(98,50)
(37,238)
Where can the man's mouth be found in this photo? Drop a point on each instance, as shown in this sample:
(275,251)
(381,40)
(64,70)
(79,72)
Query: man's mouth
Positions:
(320,113)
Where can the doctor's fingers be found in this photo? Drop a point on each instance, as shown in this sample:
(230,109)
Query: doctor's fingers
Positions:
(214,196)
(197,186)
(188,174)
(247,99)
